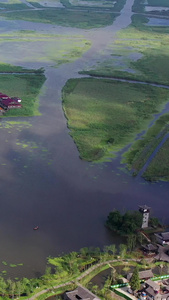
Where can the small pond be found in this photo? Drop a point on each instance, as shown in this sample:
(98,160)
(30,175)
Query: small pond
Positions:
(100,278)
(158,22)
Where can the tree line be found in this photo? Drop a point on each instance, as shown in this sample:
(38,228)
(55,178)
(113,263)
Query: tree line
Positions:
(60,269)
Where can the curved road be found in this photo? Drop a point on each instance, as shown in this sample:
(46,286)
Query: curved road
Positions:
(80,277)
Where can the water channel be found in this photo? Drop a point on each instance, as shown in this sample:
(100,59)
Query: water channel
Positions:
(69,199)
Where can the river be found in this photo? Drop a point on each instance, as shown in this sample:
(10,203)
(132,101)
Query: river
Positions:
(69,199)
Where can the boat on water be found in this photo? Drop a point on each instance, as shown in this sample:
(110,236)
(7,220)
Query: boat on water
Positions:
(36,228)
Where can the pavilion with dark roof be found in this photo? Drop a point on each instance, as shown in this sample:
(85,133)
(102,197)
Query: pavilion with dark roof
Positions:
(80,293)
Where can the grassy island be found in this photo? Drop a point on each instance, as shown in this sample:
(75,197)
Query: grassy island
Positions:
(104,115)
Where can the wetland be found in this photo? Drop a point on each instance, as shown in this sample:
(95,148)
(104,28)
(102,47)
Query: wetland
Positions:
(43,180)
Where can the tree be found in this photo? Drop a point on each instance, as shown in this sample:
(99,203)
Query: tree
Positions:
(154,222)
(114,220)
(113,249)
(140,238)
(11,286)
(19,288)
(135,281)
(125,224)
(122,250)
(84,252)
(109,249)
(113,276)
(131,222)
(70,262)
(131,242)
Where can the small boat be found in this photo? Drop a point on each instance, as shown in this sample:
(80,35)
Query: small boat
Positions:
(36,228)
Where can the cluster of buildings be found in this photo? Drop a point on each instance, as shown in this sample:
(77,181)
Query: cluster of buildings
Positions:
(155,290)
(151,290)
(7,102)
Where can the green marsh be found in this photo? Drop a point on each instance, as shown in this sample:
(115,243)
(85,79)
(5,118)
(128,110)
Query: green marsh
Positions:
(105,115)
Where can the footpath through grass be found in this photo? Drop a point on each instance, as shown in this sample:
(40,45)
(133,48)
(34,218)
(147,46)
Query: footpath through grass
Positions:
(105,115)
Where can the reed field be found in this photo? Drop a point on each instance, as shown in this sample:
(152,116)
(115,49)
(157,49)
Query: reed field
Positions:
(67,18)
(105,115)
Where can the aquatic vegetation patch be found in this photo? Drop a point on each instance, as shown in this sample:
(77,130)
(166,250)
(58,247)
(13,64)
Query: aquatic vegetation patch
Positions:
(105,115)
(65,49)
(143,55)
(16,124)
(40,48)
(33,150)
(30,145)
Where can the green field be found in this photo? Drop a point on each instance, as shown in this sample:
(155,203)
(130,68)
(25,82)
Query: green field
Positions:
(73,18)
(105,115)
(26,86)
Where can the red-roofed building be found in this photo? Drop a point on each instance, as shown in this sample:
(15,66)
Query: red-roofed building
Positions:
(7,102)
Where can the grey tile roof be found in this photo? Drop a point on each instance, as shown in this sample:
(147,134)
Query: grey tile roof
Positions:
(152,284)
(142,274)
(81,293)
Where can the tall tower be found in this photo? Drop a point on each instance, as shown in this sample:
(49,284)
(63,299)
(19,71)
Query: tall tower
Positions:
(145,210)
